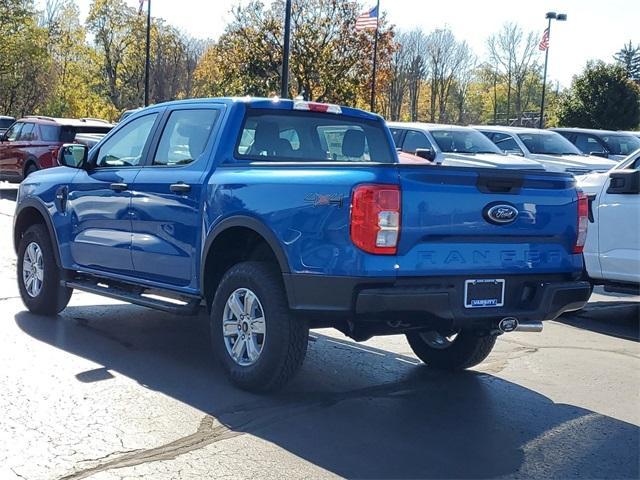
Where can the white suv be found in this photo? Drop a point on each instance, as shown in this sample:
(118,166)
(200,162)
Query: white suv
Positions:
(452,145)
(551,149)
(612,249)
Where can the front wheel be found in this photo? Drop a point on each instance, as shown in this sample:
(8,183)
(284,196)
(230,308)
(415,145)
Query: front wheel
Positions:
(259,342)
(38,275)
(452,351)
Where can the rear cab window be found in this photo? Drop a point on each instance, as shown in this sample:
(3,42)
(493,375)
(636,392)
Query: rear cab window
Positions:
(301,136)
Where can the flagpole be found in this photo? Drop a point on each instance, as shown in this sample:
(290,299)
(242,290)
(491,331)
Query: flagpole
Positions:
(544,76)
(375,59)
(146,62)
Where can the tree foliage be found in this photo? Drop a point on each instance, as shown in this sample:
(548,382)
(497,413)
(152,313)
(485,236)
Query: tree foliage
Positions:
(601,97)
(629,57)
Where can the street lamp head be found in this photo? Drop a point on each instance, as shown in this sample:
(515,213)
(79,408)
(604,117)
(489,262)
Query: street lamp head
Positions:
(551,15)
(561,17)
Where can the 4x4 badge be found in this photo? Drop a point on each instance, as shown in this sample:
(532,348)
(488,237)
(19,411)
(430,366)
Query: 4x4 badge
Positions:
(320,199)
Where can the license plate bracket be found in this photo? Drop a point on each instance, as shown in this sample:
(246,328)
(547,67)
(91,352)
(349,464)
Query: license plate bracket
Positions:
(484,293)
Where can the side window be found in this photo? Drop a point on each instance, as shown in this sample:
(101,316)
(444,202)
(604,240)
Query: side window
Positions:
(49,133)
(124,148)
(588,144)
(184,136)
(396,133)
(14,132)
(414,140)
(27,132)
(507,143)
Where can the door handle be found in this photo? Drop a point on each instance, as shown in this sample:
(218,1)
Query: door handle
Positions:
(180,187)
(119,187)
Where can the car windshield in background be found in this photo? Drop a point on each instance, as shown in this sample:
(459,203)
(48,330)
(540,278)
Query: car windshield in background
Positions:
(621,144)
(548,143)
(68,133)
(292,136)
(464,141)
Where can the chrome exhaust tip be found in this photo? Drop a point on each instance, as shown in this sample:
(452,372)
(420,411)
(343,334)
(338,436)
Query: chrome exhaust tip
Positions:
(512,324)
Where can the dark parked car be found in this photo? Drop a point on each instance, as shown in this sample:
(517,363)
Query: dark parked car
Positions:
(32,143)
(602,143)
(5,122)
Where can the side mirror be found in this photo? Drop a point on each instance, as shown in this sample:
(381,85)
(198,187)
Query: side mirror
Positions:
(600,154)
(426,153)
(624,182)
(73,155)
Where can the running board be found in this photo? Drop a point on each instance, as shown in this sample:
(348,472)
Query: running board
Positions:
(189,306)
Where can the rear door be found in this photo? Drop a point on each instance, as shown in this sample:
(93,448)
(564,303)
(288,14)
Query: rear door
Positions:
(166,215)
(99,199)
(447,228)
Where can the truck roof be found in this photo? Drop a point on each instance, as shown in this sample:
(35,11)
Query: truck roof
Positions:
(274,103)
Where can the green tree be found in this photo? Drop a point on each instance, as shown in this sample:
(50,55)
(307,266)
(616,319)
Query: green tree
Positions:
(601,97)
(629,57)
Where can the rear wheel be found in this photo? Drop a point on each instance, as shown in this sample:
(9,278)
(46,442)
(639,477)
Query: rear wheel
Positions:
(259,342)
(30,169)
(451,350)
(38,275)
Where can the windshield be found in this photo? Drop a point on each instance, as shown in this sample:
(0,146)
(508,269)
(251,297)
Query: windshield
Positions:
(548,143)
(464,141)
(298,136)
(621,144)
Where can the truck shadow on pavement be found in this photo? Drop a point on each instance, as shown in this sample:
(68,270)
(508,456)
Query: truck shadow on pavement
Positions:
(619,319)
(353,410)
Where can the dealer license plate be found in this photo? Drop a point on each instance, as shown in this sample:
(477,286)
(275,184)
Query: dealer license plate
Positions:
(485,292)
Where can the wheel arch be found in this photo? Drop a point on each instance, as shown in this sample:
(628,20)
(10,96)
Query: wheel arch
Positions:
(31,160)
(31,212)
(241,238)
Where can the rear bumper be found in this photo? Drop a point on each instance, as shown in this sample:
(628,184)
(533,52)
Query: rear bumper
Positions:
(434,300)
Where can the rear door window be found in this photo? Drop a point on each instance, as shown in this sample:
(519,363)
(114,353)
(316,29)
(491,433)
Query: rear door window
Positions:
(414,140)
(184,136)
(49,133)
(300,136)
(27,133)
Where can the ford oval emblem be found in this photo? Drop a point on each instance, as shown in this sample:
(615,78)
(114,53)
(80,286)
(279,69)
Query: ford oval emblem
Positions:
(500,213)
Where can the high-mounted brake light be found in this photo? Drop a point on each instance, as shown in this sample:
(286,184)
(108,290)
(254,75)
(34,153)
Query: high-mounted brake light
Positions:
(583,222)
(316,107)
(375,218)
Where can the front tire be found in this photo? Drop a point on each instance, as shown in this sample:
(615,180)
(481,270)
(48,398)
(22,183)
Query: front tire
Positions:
(258,341)
(455,352)
(38,275)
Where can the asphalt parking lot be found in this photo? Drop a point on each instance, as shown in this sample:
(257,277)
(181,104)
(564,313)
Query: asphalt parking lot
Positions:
(109,391)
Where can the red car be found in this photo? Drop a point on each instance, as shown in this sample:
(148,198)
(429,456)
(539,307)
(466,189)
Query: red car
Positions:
(32,143)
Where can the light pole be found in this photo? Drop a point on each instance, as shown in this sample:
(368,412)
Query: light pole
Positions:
(284,85)
(544,45)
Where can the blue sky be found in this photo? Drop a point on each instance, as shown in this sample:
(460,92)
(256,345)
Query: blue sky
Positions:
(595,29)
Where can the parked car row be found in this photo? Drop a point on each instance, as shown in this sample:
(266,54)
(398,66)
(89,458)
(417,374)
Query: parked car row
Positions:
(32,143)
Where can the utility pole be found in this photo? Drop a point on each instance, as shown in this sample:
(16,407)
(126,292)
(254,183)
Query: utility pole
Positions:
(284,87)
(147,59)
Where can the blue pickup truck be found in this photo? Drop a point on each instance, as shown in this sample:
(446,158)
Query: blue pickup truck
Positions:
(279,216)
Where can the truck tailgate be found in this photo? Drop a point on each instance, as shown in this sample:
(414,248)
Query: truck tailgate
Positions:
(447,229)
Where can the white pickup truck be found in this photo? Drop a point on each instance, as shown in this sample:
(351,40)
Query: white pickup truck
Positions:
(612,249)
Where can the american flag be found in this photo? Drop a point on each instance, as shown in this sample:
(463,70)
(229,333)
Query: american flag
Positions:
(367,20)
(544,42)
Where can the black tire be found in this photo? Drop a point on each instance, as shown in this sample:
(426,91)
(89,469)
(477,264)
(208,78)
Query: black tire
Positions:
(30,169)
(52,297)
(285,336)
(467,350)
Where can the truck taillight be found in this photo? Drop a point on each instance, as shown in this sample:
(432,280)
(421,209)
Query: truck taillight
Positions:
(375,218)
(583,222)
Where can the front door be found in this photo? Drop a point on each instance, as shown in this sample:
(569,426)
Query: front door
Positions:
(99,199)
(166,216)
(8,152)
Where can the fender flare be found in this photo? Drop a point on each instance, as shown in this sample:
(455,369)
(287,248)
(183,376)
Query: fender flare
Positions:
(252,224)
(39,206)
